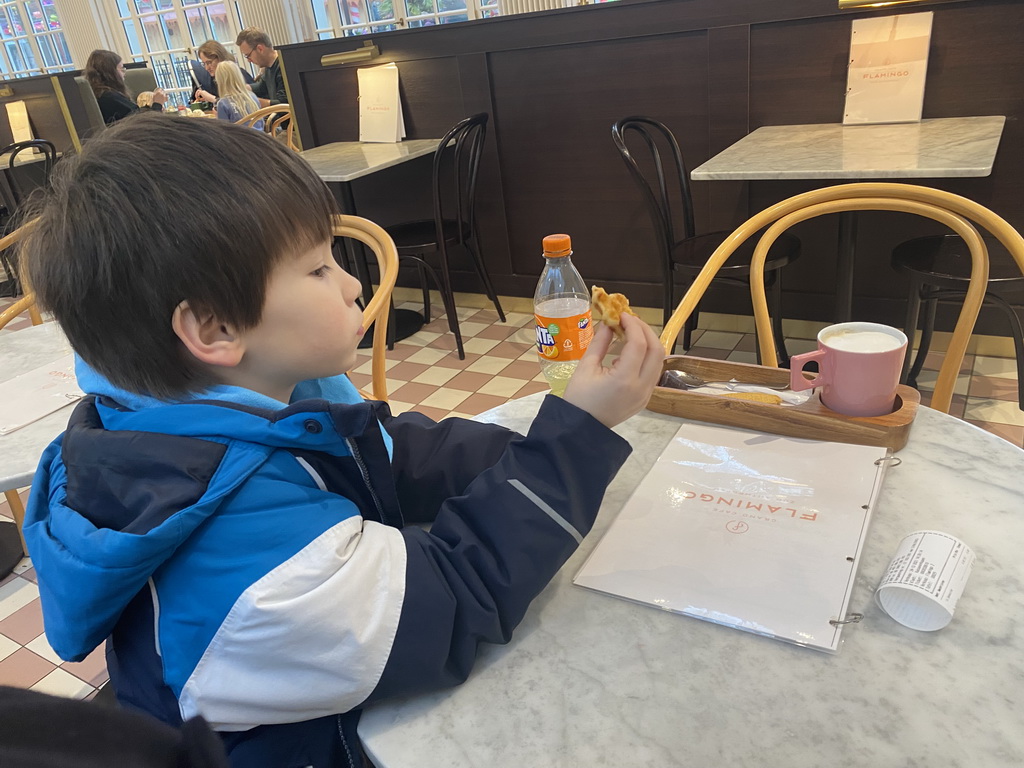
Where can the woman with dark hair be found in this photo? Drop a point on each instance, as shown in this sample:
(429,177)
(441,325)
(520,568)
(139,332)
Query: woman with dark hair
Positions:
(105,72)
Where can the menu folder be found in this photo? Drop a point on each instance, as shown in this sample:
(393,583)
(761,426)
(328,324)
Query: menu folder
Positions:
(758,532)
(380,104)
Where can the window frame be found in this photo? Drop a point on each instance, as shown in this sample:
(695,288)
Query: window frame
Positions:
(28,43)
(169,64)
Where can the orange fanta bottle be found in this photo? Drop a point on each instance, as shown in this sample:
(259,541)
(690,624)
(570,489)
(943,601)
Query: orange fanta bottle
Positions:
(561,306)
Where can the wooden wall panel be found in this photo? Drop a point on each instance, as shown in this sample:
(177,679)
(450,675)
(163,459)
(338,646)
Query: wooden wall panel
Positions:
(554,82)
(554,111)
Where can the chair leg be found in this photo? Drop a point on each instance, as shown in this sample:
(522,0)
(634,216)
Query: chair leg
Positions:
(448,296)
(776,309)
(910,327)
(690,327)
(426,292)
(18,512)
(930,305)
(1017,332)
(488,286)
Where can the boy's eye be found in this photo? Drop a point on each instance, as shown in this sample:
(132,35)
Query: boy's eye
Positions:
(321,270)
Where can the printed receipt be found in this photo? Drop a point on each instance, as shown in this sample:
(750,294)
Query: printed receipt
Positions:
(925,580)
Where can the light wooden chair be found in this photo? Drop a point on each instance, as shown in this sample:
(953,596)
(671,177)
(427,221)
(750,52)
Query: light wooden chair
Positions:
(958,213)
(282,128)
(376,311)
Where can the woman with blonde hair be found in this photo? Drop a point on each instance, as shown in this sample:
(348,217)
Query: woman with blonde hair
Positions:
(236,100)
(211,53)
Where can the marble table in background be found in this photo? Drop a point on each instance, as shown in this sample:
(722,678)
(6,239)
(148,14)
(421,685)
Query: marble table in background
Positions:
(937,148)
(591,680)
(20,352)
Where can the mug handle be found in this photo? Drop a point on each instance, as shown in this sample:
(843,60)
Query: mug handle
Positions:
(797,381)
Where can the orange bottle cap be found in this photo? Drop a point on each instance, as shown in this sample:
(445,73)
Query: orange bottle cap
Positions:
(557,245)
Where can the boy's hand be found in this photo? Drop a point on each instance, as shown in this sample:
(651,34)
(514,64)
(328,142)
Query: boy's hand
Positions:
(159,96)
(612,395)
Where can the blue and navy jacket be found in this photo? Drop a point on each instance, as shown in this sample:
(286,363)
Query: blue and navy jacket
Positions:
(252,562)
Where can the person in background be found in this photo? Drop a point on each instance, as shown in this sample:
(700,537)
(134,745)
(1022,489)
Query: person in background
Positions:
(236,100)
(226,508)
(105,72)
(144,100)
(211,53)
(255,45)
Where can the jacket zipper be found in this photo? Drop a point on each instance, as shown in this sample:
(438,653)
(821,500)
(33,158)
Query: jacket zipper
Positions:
(358,457)
(344,742)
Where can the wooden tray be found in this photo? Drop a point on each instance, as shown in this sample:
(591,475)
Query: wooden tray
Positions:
(810,420)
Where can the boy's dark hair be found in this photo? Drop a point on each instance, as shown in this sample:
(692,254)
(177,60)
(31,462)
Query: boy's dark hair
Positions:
(157,210)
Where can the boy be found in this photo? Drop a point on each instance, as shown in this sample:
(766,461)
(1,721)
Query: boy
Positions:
(247,558)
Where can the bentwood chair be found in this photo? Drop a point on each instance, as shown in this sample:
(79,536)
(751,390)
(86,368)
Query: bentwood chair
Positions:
(456,163)
(266,114)
(376,311)
(961,215)
(20,190)
(939,268)
(659,170)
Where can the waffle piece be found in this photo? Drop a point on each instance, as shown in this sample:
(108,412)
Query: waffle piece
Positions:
(609,308)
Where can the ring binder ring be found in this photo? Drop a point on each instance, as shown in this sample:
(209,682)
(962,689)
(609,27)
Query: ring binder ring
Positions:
(851,618)
(896,461)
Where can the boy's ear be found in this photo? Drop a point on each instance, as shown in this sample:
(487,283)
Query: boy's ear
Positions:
(208,339)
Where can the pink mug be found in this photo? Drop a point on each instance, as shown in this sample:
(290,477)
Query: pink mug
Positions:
(859,368)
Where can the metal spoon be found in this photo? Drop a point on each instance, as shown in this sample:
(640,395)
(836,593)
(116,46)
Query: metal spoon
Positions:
(686,380)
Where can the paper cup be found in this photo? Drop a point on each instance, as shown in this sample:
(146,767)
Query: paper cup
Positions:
(925,580)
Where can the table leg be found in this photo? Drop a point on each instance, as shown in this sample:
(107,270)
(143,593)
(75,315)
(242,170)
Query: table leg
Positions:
(844,266)
(402,323)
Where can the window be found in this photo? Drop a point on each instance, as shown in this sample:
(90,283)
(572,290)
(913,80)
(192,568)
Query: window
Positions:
(345,18)
(163,33)
(31,39)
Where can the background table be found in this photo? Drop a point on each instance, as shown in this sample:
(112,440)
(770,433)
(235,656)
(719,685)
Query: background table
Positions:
(20,352)
(937,148)
(589,679)
(341,163)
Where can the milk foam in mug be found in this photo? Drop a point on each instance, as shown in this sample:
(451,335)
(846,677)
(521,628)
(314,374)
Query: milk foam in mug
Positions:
(859,368)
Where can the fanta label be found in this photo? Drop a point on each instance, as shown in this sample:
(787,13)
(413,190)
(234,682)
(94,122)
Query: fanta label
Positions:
(563,338)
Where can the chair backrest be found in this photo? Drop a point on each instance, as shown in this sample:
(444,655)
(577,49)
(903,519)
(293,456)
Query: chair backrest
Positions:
(954,211)
(282,128)
(376,311)
(660,153)
(139,79)
(265,112)
(26,303)
(456,163)
(49,152)
(92,107)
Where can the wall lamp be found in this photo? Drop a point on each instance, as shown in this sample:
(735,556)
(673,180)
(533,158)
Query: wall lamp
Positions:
(848,4)
(368,51)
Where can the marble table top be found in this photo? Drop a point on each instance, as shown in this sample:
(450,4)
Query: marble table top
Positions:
(589,679)
(940,147)
(349,160)
(20,352)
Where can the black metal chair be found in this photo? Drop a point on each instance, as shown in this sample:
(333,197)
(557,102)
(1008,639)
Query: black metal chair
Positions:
(18,193)
(456,163)
(682,250)
(939,268)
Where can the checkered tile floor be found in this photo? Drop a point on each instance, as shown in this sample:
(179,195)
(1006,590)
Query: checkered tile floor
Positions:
(425,375)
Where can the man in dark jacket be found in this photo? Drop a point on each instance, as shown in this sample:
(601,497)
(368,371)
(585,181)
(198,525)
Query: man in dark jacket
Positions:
(255,45)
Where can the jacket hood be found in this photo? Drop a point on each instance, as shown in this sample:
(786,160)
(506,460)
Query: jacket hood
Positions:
(134,476)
